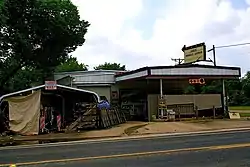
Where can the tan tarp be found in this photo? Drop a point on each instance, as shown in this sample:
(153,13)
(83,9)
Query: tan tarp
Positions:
(24,113)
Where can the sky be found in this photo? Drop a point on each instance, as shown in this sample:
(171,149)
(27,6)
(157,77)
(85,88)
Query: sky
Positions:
(141,33)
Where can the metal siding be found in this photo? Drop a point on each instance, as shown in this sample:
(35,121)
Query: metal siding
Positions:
(101,91)
(92,79)
(131,76)
(195,71)
(64,81)
(202,101)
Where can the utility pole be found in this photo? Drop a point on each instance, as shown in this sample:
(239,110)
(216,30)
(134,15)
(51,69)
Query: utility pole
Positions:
(226,46)
(177,61)
(214,57)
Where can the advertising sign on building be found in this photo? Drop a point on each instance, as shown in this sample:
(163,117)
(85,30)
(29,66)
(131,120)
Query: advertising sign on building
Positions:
(200,81)
(50,85)
(194,53)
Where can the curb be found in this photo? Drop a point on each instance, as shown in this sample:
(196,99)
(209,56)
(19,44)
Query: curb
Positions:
(44,139)
(145,135)
(119,138)
(64,138)
(167,134)
(133,136)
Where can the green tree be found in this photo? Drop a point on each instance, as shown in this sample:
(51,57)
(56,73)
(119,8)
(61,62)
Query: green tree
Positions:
(71,64)
(110,66)
(24,78)
(246,84)
(190,89)
(214,87)
(37,34)
(238,90)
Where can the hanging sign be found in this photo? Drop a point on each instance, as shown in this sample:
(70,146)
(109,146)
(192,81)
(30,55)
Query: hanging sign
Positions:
(194,53)
(50,85)
(200,81)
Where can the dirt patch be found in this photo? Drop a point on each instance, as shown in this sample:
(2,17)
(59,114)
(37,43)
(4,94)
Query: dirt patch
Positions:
(116,131)
(133,129)
(171,127)
(136,128)
(200,121)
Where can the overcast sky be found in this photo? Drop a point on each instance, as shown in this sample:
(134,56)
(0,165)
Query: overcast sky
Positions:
(141,33)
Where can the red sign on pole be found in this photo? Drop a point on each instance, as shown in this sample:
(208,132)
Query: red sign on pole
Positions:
(50,85)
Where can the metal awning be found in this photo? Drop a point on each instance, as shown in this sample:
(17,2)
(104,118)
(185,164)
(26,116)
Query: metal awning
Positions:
(194,70)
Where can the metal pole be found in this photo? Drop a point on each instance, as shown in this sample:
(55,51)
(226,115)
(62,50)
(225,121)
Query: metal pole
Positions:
(148,103)
(214,55)
(63,110)
(224,95)
(71,81)
(161,92)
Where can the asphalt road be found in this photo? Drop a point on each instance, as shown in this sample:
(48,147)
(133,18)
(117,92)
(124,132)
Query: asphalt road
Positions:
(222,149)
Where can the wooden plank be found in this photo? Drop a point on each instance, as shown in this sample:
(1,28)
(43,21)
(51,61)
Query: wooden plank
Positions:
(112,117)
(117,115)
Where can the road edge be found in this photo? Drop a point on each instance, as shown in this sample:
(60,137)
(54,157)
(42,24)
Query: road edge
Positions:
(124,138)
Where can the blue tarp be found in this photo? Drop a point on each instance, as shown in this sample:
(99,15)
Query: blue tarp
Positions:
(104,105)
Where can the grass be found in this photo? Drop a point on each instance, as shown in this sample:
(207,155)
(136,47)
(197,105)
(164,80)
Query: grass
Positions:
(245,110)
(239,108)
(244,114)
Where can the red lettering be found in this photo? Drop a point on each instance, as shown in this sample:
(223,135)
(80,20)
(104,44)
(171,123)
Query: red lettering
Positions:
(197,81)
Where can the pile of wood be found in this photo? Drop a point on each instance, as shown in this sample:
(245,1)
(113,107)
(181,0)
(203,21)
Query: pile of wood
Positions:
(94,118)
(111,117)
(88,119)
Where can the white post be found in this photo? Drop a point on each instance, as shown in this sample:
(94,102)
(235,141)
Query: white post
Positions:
(71,81)
(161,93)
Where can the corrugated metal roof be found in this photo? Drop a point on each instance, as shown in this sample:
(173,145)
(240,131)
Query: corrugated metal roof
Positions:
(182,71)
(42,86)
(88,72)
(90,77)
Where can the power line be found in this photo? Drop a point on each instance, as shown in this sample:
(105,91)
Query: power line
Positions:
(177,61)
(225,46)
(239,44)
